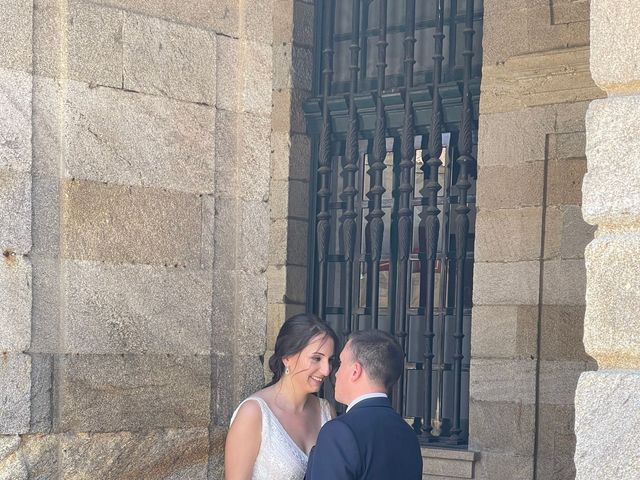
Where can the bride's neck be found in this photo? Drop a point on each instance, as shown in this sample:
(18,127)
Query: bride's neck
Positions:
(287,398)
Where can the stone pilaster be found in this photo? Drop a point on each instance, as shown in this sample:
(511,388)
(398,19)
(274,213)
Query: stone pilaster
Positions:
(608,400)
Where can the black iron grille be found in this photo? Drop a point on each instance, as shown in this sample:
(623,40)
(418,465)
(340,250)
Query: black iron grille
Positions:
(394,129)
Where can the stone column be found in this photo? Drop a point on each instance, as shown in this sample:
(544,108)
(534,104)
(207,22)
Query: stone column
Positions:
(608,400)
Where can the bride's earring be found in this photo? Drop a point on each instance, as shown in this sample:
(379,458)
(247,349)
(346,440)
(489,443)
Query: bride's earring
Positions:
(286,371)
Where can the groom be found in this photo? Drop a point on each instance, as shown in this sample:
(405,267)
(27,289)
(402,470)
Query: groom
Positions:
(370,441)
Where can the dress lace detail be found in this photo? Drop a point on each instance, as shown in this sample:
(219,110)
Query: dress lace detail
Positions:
(279,456)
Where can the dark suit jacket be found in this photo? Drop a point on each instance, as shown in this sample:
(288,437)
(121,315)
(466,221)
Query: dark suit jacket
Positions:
(370,442)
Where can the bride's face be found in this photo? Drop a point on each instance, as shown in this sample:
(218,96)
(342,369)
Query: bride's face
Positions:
(309,368)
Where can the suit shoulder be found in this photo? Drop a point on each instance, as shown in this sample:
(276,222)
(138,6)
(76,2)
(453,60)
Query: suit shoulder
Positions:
(336,428)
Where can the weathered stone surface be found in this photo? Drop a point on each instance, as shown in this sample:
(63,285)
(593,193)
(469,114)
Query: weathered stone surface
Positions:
(41,393)
(258,74)
(15,116)
(15,307)
(101,393)
(522,186)
(248,371)
(503,380)
(549,77)
(8,445)
(576,233)
(243,155)
(288,242)
(611,188)
(253,237)
(258,21)
(13,469)
(293,66)
(607,425)
(169,59)
(15,211)
(217,437)
(223,310)
(45,304)
(501,427)
(251,313)
(16,34)
(208,231)
(515,283)
(221,16)
(227,153)
(615,40)
(288,115)
(47,142)
(564,282)
(561,332)
(439,462)
(136,309)
(15,388)
(254,163)
(564,181)
(229,65)
(513,138)
(290,156)
(507,331)
(612,323)
(164,454)
(556,442)
(289,199)
(558,381)
(134,139)
(223,382)
(94,41)
(131,224)
(529,28)
(39,454)
(508,234)
(287,284)
(499,466)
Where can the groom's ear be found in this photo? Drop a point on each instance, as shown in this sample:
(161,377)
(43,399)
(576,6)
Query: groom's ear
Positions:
(357,371)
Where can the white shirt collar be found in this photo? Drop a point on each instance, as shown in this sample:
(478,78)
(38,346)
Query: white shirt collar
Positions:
(365,397)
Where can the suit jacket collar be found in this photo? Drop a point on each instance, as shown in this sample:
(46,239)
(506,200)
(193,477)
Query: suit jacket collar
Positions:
(371,402)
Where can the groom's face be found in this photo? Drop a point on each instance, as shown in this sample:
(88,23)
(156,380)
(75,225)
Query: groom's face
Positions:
(342,375)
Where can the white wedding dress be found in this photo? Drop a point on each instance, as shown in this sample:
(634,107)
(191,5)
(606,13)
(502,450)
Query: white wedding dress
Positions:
(279,456)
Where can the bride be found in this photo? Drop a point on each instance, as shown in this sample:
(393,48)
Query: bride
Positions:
(273,430)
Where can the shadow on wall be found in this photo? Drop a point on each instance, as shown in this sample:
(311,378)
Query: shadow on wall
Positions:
(561,350)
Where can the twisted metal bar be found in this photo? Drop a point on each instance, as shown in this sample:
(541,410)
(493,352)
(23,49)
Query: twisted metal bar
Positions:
(350,168)
(405,221)
(323,218)
(377,166)
(429,222)
(464,160)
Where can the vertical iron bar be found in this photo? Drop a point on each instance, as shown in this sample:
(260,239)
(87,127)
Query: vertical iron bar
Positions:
(429,215)
(465,159)
(405,221)
(377,166)
(324,163)
(350,168)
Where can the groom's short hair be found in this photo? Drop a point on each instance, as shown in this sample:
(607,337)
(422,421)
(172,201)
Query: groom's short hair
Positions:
(379,354)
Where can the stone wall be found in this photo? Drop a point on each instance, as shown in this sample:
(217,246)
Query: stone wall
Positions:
(134,205)
(608,400)
(293,32)
(529,280)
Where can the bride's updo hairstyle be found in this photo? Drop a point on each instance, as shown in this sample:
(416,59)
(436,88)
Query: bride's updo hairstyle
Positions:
(294,335)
